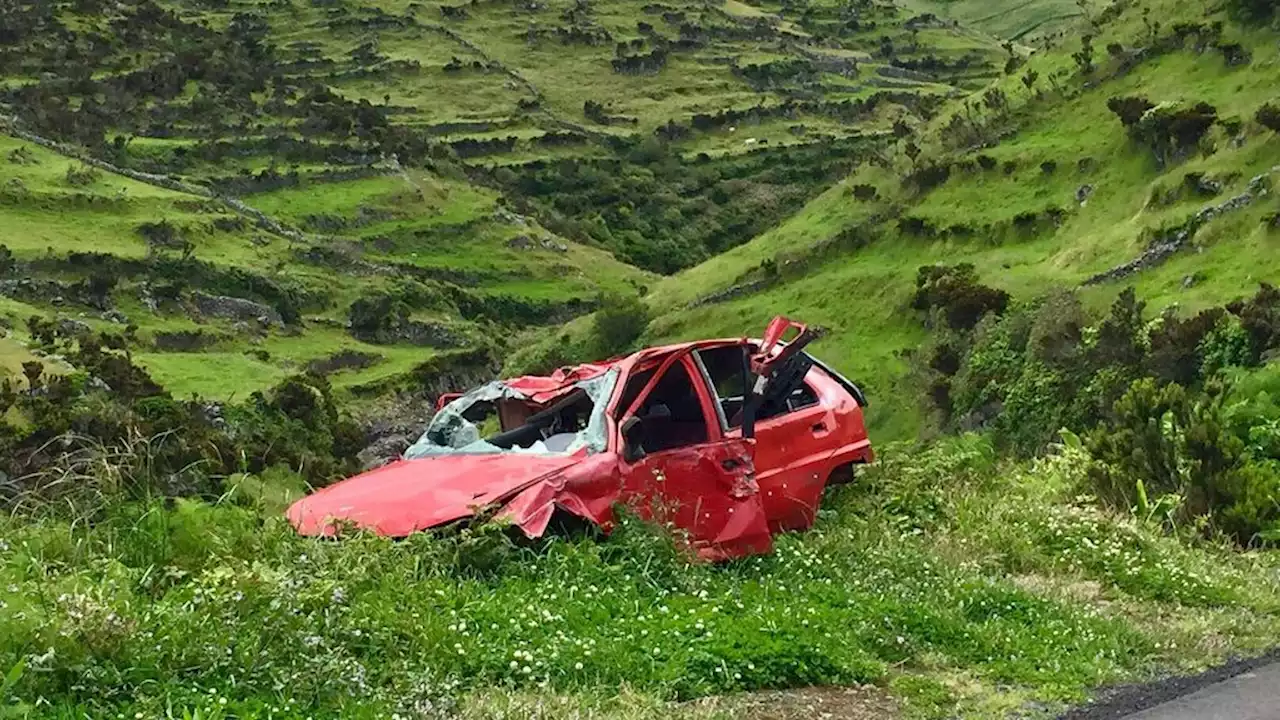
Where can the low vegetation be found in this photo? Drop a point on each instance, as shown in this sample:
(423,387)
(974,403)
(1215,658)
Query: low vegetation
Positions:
(997,574)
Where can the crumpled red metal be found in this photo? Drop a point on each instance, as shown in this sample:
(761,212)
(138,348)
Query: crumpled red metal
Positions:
(726,497)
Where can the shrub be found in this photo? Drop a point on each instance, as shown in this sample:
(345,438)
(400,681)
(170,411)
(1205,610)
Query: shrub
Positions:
(1171,131)
(1258,11)
(957,294)
(1165,441)
(1260,319)
(619,322)
(1129,109)
(1176,353)
(1268,116)
(82,175)
(376,318)
(928,177)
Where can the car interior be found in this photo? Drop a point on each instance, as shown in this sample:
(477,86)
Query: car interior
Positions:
(725,368)
(557,425)
(671,415)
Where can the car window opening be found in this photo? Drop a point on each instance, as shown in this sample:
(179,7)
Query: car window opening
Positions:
(496,418)
(672,415)
(724,367)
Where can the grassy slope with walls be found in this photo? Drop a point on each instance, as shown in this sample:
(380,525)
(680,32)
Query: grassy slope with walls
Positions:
(863,295)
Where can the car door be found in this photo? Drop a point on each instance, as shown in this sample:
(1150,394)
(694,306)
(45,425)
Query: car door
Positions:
(796,445)
(699,481)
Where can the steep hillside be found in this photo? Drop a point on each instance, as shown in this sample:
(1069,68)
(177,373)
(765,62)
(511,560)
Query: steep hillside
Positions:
(387,180)
(1039,185)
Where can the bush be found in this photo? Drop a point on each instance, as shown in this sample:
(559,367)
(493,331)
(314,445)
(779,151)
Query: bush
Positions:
(82,175)
(108,429)
(1258,11)
(376,318)
(1129,109)
(956,293)
(1167,442)
(619,322)
(1171,131)
(1260,319)
(1268,116)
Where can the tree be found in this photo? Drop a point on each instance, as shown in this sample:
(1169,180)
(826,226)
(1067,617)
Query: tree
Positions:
(1029,79)
(1084,56)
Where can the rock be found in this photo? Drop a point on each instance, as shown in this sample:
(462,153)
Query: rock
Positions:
(1083,193)
(72,328)
(426,334)
(524,242)
(343,360)
(1192,280)
(148,300)
(382,451)
(506,215)
(553,245)
(239,309)
(115,316)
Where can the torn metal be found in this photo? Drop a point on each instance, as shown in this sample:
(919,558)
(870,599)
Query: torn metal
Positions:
(729,441)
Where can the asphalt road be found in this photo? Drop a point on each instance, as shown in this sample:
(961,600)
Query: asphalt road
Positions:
(1244,688)
(1252,695)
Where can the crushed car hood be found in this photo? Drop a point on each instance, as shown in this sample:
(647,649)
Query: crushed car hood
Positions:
(411,495)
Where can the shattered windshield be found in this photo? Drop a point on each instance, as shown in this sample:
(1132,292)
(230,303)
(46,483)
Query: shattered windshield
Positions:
(496,418)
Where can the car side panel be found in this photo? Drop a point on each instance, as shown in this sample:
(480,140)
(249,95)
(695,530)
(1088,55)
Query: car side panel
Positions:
(797,452)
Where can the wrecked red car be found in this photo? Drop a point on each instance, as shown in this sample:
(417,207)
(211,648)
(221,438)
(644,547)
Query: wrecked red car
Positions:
(729,440)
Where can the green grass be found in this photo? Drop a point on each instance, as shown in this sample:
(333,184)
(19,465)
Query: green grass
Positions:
(213,375)
(912,585)
(863,296)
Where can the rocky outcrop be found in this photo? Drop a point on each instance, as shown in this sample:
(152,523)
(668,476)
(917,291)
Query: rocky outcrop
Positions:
(524,242)
(234,308)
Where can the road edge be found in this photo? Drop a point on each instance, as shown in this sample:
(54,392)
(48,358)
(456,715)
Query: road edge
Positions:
(1118,701)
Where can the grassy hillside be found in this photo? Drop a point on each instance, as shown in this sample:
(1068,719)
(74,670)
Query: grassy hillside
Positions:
(474,165)
(850,263)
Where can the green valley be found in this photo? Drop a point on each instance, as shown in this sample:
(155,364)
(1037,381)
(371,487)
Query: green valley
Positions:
(245,245)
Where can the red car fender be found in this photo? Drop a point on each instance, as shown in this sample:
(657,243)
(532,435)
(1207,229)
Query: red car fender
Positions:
(588,489)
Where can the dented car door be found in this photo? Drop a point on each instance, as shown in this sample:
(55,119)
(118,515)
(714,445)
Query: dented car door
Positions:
(679,468)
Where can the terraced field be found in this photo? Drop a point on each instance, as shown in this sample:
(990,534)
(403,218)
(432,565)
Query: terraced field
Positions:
(467,172)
